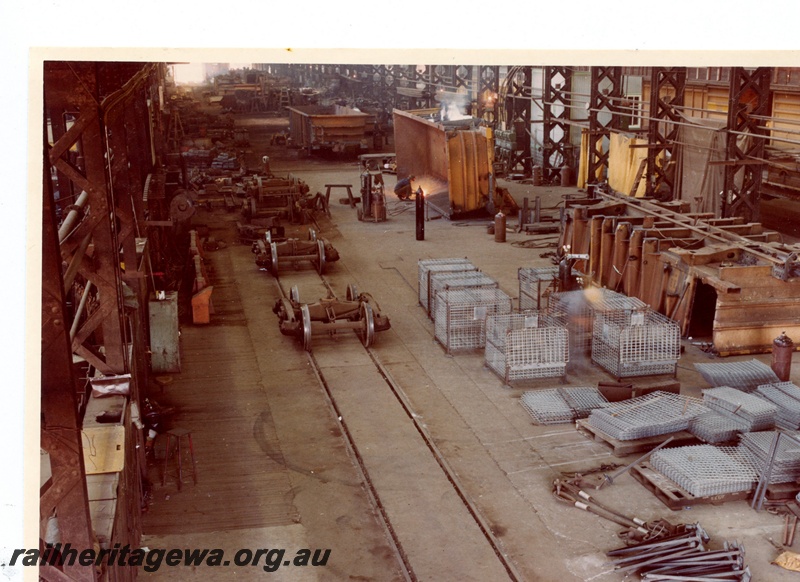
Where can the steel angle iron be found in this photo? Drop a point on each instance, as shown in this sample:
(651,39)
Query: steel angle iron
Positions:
(359,312)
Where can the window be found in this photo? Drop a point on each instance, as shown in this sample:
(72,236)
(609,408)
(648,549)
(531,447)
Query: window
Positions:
(631,112)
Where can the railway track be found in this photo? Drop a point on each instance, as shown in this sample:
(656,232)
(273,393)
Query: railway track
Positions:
(374,477)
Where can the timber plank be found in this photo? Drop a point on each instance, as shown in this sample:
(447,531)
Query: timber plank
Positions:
(622,448)
(674,496)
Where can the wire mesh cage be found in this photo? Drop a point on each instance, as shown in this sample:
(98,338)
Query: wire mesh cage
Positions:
(526,345)
(576,311)
(636,343)
(460,322)
(536,284)
(443,280)
(427,266)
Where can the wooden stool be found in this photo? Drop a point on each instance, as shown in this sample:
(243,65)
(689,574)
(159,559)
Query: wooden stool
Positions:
(177,434)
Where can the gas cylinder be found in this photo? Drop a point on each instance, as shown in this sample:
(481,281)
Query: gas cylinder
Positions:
(378,208)
(566,176)
(782,349)
(500,227)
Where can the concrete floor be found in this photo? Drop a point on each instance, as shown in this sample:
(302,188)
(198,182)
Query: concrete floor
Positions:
(333,494)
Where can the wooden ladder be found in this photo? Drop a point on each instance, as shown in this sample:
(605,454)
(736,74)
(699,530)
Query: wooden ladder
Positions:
(635,187)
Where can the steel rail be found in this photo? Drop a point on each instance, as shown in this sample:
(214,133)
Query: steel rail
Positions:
(352,449)
(436,453)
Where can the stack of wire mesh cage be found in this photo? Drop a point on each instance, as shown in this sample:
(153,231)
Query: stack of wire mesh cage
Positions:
(707,470)
(782,463)
(526,345)
(629,343)
(715,428)
(460,318)
(786,396)
(746,376)
(426,267)
(536,284)
(755,412)
(562,405)
(653,414)
(444,280)
(576,310)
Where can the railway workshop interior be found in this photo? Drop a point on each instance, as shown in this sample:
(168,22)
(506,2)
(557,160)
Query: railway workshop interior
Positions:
(420,322)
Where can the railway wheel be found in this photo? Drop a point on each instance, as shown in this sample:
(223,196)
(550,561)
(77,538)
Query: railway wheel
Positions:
(288,310)
(320,257)
(273,250)
(294,294)
(352,292)
(306,315)
(312,234)
(367,333)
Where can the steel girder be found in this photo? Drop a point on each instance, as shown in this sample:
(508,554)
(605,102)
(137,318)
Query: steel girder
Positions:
(423,75)
(488,89)
(105,142)
(71,87)
(749,98)
(603,116)
(518,104)
(667,88)
(66,496)
(557,95)
(462,77)
(383,85)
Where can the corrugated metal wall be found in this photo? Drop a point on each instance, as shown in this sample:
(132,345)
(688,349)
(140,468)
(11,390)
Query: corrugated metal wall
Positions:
(468,170)
(786,111)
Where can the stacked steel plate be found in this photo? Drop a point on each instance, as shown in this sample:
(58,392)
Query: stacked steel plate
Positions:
(653,414)
(755,412)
